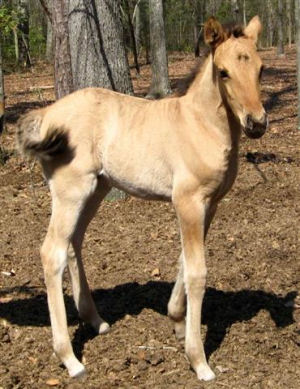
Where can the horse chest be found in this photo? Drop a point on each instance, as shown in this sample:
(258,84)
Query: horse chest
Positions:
(226,173)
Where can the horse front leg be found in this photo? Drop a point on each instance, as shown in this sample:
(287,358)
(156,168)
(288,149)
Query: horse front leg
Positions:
(191,212)
(177,302)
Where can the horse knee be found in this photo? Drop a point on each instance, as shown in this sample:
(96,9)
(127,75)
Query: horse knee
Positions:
(195,280)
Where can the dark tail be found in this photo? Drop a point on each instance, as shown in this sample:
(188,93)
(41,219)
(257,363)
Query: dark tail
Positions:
(29,140)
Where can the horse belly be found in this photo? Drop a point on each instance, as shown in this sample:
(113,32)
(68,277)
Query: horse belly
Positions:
(153,182)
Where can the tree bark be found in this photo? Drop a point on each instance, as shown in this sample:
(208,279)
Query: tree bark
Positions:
(23,27)
(270,22)
(62,59)
(235,9)
(49,41)
(160,85)
(132,36)
(289,24)
(213,6)
(244,13)
(280,43)
(136,20)
(16,44)
(48,8)
(1,87)
(144,16)
(198,23)
(97,45)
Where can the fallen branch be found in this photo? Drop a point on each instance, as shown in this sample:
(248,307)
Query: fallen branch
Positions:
(156,348)
(33,88)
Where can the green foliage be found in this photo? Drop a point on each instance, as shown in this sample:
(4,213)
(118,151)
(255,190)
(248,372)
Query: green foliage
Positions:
(179,19)
(37,41)
(224,12)
(9,19)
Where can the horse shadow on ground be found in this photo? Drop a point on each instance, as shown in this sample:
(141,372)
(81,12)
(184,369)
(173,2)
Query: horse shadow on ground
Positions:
(220,309)
(276,99)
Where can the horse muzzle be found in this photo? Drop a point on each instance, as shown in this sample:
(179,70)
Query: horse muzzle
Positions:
(255,129)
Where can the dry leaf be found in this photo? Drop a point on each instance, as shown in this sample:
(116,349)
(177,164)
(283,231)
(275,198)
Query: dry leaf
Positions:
(32,359)
(155,272)
(52,382)
(222,369)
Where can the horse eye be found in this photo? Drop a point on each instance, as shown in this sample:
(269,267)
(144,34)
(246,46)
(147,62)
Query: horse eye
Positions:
(224,74)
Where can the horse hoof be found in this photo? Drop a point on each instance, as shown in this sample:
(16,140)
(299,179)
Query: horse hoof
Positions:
(77,371)
(205,373)
(104,328)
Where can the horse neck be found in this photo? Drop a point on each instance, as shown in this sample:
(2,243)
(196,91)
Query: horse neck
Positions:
(205,100)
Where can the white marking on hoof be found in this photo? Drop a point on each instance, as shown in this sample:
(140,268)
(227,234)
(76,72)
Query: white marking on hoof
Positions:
(100,326)
(76,370)
(104,328)
(205,373)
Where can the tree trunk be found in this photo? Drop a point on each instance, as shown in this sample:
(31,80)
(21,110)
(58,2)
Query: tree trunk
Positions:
(23,27)
(1,87)
(49,41)
(280,43)
(235,11)
(160,85)
(270,23)
(289,24)
(244,13)
(136,19)
(297,13)
(47,6)
(16,44)
(144,15)
(62,59)
(97,45)
(132,36)
(198,22)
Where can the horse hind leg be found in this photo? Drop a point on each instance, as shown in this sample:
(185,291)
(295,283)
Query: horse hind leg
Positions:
(81,292)
(68,200)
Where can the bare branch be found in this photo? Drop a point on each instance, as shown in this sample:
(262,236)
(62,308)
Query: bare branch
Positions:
(46,9)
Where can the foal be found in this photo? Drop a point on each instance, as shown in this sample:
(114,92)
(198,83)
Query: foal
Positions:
(181,149)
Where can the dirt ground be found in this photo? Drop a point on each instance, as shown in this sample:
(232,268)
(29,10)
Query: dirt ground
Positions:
(251,313)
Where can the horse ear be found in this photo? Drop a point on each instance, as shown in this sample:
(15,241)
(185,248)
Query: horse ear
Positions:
(214,34)
(253,29)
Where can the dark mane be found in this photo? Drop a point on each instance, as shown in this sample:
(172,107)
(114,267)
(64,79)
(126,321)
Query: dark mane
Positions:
(183,85)
(232,29)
